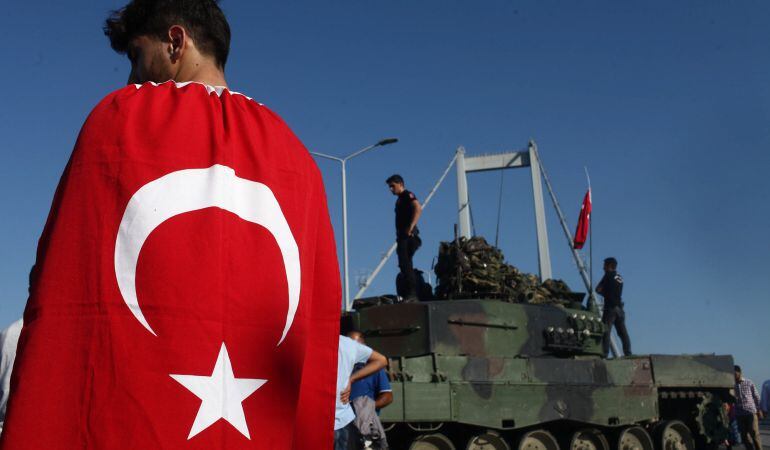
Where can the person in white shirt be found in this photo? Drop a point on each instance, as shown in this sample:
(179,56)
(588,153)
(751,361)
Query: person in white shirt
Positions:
(349,354)
(9,338)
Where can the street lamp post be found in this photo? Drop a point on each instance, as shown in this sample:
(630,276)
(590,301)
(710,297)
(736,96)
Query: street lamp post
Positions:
(343,163)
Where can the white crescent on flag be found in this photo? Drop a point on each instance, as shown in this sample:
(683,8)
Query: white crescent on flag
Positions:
(191,190)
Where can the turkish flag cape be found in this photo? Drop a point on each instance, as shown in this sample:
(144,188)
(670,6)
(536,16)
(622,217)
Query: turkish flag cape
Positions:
(186,293)
(584,221)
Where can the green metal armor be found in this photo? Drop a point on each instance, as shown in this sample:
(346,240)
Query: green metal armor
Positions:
(504,374)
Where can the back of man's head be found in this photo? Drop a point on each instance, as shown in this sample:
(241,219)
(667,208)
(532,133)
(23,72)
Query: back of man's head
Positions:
(203,19)
(356,336)
(611,262)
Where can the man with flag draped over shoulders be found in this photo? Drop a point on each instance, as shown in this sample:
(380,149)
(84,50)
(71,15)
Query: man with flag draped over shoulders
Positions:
(186,292)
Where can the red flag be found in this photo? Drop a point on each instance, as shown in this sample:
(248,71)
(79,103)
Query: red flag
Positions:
(584,221)
(186,292)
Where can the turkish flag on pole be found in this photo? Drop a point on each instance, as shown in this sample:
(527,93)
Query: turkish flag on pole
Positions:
(186,293)
(584,221)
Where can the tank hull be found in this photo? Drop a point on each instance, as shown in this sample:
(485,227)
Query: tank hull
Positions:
(468,367)
(510,393)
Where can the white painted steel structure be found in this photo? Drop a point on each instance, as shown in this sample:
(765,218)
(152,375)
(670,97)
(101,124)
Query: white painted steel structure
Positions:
(502,161)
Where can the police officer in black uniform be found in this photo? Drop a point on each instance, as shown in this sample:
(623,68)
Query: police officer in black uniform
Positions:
(611,288)
(408,211)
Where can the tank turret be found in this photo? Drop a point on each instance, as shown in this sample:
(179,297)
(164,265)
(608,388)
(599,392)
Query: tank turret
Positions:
(480,328)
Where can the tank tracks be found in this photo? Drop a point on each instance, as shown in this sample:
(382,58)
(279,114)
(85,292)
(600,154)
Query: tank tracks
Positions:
(702,411)
(666,434)
(690,419)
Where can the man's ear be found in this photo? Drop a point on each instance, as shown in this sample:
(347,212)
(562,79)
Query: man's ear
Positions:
(177,37)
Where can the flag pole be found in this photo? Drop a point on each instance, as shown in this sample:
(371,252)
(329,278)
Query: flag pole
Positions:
(592,295)
(590,235)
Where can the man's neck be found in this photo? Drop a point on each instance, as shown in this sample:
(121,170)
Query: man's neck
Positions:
(201,72)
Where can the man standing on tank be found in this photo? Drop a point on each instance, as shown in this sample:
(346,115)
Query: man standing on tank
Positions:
(611,288)
(408,212)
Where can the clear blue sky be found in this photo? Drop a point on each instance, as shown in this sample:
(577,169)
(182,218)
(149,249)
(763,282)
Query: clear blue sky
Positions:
(668,104)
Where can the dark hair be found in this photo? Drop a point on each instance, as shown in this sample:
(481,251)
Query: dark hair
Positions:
(396,178)
(203,20)
(611,261)
(737,368)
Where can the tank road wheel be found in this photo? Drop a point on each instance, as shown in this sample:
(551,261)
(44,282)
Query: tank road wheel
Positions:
(487,441)
(538,440)
(634,438)
(588,439)
(673,435)
(436,441)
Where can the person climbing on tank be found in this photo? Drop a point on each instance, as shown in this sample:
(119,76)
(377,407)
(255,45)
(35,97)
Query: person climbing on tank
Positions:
(408,212)
(611,288)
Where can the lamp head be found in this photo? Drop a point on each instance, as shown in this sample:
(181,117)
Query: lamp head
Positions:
(387,141)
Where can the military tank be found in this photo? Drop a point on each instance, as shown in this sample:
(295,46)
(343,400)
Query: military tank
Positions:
(499,360)
(486,374)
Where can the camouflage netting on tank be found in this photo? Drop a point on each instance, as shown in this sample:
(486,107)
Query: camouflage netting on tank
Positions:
(472,268)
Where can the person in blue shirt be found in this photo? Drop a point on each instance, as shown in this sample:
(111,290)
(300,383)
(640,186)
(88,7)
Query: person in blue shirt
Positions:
(349,354)
(367,395)
(375,386)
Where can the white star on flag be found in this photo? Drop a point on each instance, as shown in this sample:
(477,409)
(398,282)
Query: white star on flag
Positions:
(221,395)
